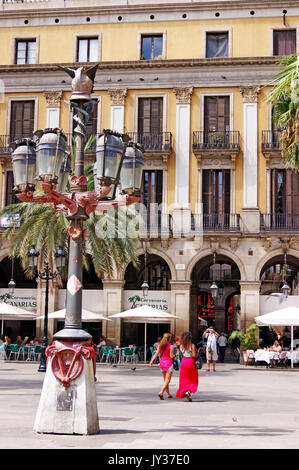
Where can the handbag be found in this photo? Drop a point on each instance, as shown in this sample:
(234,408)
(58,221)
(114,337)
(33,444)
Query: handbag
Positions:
(198,363)
(175,363)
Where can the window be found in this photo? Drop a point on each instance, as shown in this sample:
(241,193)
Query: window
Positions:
(216,192)
(150,123)
(151,47)
(284,42)
(217,45)
(10,197)
(150,115)
(21,119)
(284,192)
(151,197)
(88,50)
(216,114)
(25,51)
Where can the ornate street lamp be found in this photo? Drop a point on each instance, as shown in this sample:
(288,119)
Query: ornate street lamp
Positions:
(24,164)
(46,275)
(11,285)
(214,287)
(68,356)
(145,286)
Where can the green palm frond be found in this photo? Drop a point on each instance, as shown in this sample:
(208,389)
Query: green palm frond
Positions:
(285,99)
(107,237)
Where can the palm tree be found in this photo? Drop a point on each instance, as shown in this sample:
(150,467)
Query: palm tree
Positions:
(110,245)
(285,98)
(107,240)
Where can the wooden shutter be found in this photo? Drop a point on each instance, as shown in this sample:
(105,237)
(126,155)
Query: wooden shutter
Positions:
(150,115)
(291,193)
(216,191)
(10,197)
(284,42)
(216,114)
(22,119)
(207,191)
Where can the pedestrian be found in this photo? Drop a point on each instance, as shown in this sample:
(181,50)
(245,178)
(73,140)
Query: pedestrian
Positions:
(165,349)
(222,343)
(211,351)
(188,373)
(156,344)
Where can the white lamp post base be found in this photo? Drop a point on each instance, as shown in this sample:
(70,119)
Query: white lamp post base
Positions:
(71,410)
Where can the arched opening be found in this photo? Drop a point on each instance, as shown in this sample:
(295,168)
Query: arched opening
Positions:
(158,275)
(220,312)
(275,272)
(157,270)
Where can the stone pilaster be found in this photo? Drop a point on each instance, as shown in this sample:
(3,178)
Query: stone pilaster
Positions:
(53,99)
(181,211)
(250,216)
(249,302)
(113,303)
(118,99)
(180,306)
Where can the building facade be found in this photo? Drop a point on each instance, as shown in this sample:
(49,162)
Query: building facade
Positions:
(189,80)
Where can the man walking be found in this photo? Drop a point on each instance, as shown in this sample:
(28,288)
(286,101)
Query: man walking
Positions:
(222,343)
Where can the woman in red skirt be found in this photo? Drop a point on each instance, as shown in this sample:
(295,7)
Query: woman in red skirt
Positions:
(188,374)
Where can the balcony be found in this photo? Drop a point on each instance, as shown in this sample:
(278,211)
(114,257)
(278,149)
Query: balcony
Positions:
(156,224)
(216,142)
(279,222)
(6,140)
(217,222)
(271,141)
(153,143)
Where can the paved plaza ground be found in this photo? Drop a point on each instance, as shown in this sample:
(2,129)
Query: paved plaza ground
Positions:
(234,408)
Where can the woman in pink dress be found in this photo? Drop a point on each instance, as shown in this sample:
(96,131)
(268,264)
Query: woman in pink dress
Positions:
(188,373)
(165,349)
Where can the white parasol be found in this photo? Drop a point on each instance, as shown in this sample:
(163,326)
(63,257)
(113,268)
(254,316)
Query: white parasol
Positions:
(284,317)
(10,312)
(145,314)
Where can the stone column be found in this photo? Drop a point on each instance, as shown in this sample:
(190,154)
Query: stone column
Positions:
(113,303)
(250,216)
(250,302)
(181,211)
(53,108)
(117,116)
(180,306)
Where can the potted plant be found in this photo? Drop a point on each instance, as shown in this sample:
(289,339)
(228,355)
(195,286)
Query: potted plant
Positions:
(248,340)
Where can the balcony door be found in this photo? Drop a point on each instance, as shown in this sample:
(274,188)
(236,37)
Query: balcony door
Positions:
(216,198)
(151,197)
(284,197)
(150,122)
(22,119)
(216,114)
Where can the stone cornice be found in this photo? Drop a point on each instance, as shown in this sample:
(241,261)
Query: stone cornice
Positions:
(148,65)
(77,8)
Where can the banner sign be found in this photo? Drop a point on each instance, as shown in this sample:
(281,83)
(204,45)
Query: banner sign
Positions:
(22,298)
(156,298)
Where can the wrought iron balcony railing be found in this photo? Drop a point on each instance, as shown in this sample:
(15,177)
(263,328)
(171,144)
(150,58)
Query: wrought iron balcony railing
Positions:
(228,140)
(161,142)
(154,224)
(216,222)
(271,140)
(280,222)
(6,140)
